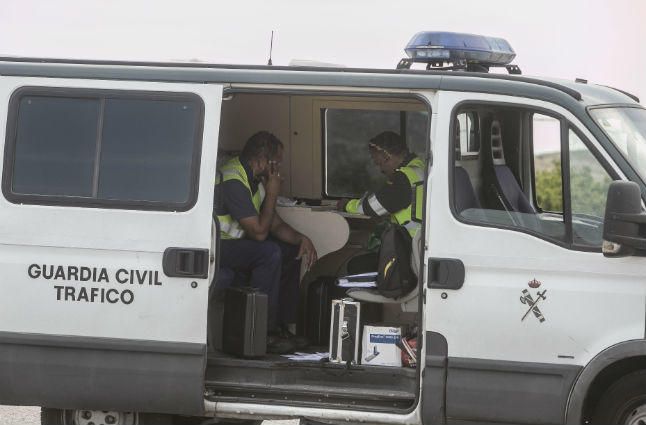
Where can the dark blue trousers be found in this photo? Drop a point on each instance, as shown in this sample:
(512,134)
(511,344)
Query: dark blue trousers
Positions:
(272,267)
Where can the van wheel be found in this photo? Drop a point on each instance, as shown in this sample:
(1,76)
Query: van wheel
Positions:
(55,416)
(101,417)
(624,403)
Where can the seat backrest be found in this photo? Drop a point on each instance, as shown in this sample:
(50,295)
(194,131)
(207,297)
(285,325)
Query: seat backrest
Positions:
(506,185)
(464,193)
(510,191)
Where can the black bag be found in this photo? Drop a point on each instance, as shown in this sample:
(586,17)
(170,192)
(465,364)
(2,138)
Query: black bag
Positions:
(320,294)
(395,276)
(245,322)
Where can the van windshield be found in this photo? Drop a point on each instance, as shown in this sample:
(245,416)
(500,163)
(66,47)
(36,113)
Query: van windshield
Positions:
(626,127)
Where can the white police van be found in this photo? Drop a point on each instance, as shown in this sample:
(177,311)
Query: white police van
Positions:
(531,304)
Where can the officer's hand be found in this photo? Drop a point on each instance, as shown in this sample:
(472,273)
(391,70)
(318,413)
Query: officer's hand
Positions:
(307,252)
(341,203)
(272,184)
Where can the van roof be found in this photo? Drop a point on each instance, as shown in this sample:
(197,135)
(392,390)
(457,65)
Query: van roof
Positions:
(560,91)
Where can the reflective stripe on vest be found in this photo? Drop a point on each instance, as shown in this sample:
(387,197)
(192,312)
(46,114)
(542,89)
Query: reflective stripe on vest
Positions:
(414,172)
(233,170)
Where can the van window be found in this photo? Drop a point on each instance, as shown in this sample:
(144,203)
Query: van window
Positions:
(104,149)
(55,147)
(520,182)
(589,183)
(147,150)
(349,171)
(548,181)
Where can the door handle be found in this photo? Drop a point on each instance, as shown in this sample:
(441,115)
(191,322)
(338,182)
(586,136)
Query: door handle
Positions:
(445,273)
(186,262)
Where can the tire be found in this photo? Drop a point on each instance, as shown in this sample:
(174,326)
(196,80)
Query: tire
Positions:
(55,416)
(624,402)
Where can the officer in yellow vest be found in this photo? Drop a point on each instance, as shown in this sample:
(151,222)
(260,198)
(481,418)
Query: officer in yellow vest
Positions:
(255,242)
(402,196)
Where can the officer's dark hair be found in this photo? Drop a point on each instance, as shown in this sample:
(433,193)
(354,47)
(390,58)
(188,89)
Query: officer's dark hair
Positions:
(389,142)
(261,145)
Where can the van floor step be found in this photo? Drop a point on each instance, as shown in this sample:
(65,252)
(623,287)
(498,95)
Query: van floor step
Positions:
(318,391)
(275,378)
(326,401)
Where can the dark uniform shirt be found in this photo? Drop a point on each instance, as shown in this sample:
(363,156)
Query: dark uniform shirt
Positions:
(394,196)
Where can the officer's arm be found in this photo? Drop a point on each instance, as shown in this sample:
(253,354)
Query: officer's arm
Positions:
(392,197)
(284,232)
(257,227)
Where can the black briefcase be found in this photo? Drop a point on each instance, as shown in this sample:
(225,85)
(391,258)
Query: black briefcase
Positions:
(320,294)
(245,322)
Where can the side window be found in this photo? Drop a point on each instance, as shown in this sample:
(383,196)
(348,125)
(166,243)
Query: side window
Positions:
(589,183)
(100,148)
(523,179)
(348,168)
(147,150)
(548,182)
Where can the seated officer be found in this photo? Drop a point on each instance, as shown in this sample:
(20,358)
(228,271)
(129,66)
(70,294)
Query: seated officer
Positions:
(254,239)
(405,174)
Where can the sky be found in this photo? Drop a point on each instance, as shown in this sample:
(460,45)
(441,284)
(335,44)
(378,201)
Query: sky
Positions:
(598,40)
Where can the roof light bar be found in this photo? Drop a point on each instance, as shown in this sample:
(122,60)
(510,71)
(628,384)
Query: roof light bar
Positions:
(458,51)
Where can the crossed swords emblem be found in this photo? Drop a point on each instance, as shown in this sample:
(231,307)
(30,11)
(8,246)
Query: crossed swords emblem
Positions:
(532,304)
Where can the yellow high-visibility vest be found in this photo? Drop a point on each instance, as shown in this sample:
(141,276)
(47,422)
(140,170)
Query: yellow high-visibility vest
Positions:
(233,170)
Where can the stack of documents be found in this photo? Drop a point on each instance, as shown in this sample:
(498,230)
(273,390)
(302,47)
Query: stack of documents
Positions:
(362,280)
(305,357)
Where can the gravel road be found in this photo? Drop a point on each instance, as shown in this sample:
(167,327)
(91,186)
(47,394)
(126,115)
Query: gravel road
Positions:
(10,415)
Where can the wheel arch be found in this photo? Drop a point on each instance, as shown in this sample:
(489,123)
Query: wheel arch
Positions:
(604,369)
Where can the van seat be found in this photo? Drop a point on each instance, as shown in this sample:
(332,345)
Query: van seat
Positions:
(465,195)
(373,296)
(511,191)
(505,184)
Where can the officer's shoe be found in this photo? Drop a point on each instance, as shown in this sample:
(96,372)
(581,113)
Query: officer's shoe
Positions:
(300,342)
(277,344)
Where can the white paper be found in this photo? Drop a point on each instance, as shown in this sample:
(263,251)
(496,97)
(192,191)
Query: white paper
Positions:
(307,357)
(361,280)
(343,283)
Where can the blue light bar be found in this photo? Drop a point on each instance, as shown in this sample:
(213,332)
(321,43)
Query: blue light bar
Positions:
(442,47)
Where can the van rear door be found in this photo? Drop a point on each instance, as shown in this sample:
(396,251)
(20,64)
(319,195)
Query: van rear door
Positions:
(105,242)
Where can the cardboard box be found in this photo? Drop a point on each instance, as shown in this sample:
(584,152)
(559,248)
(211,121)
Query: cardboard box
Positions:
(378,346)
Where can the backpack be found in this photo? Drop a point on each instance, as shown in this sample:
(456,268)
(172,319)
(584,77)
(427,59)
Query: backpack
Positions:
(395,277)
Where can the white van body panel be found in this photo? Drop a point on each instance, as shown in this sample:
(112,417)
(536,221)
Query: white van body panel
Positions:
(108,238)
(593,302)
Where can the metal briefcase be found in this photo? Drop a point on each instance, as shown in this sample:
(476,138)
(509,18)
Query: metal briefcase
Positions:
(344,331)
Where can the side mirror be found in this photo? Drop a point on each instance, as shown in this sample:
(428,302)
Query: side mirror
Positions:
(624,231)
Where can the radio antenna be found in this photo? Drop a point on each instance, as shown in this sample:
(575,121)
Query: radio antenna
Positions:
(271,47)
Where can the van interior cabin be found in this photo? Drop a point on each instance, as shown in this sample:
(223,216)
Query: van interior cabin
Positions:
(325,158)
(508,168)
